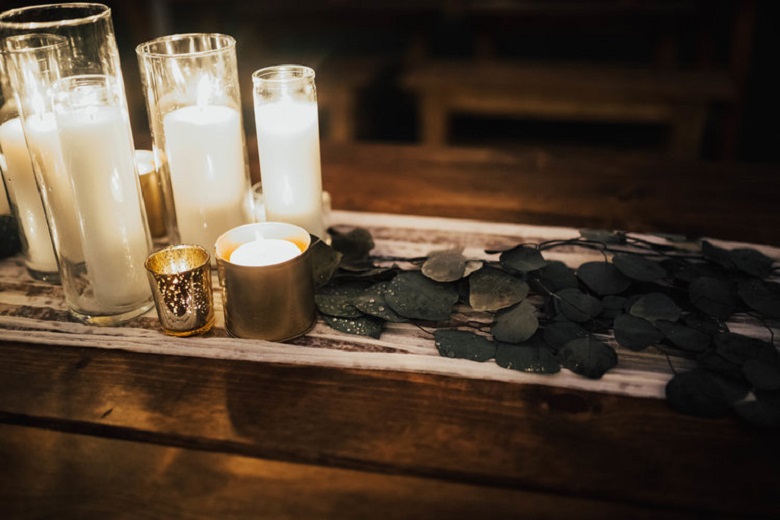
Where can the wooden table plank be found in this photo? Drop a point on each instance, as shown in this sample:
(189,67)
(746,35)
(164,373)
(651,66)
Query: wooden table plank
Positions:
(98,478)
(601,447)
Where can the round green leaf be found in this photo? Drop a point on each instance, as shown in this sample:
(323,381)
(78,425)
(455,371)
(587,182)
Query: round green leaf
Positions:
(718,255)
(362,326)
(712,296)
(635,333)
(491,289)
(372,301)
(603,278)
(464,345)
(337,299)
(738,348)
(588,357)
(533,356)
(752,262)
(761,296)
(705,323)
(762,375)
(522,259)
(604,236)
(655,306)
(558,333)
(324,262)
(763,411)
(445,266)
(516,324)
(556,276)
(414,296)
(683,336)
(577,305)
(639,268)
(354,244)
(702,394)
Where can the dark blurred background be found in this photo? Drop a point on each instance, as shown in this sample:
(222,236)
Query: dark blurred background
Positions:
(690,78)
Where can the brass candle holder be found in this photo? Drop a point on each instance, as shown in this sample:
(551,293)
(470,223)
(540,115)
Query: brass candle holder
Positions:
(271,302)
(180,278)
(152,191)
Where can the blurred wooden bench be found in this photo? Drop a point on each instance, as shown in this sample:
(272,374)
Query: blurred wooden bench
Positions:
(570,92)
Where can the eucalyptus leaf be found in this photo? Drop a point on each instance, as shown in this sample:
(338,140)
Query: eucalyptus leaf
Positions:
(738,348)
(522,259)
(362,326)
(655,306)
(684,337)
(356,243)
(613,306)
(445,266)
(763,411)
(533,356)
(752,262)
(762,375)
(718,255)
(372,301)
(588,357)
(635,333)
(712,296)
(464,345)
(705,323)
(555,276)
(516,324)
(337,299)
(703,394)
(714,362)
(604,236)
(577,305)
(639,268)
(324,262)
(414,296)
(761,296)
(603,278)
(558,333)
(491,289)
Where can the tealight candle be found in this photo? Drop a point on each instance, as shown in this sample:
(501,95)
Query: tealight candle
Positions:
(266,251)
(266,280)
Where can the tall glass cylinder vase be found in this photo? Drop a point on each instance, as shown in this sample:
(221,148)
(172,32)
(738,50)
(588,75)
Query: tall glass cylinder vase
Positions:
(22,189)
(194,104)
(75,118)
(288,142)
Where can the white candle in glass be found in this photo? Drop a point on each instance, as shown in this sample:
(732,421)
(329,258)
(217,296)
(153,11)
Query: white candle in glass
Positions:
(99,160)
(204,147)
(289,148)
(24,191)
(44,145)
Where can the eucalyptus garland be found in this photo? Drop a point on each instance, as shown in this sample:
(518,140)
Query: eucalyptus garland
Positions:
(674,295)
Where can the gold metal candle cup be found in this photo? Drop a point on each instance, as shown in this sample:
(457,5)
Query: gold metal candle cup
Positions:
(180,277)
(151,191)
(273,302)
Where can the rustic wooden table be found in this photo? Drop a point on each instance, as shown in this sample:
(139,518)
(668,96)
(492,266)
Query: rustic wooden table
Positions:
(96,433)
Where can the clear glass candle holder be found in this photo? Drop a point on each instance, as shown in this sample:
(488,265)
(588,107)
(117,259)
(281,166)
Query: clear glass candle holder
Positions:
(194,105)
(288,143)
(22,189)
(74,115)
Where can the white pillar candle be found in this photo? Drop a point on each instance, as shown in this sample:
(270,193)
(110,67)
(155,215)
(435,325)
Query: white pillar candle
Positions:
(288,143)
(99,160)
(204,147)
(264,252)
(44,145)
(24,193)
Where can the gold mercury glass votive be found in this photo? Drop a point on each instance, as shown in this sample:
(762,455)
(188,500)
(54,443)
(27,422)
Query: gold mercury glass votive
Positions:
(271,302)
(180,277)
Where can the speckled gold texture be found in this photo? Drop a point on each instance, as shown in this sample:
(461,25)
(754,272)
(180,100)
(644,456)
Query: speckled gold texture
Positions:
(180,278)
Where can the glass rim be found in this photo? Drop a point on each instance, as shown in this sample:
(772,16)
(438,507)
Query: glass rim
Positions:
(103,11)
(271,75)
(144,49)
(56,41)
(153,259)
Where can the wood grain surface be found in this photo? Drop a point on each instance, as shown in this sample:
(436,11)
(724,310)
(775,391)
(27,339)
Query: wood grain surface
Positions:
(101,433)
